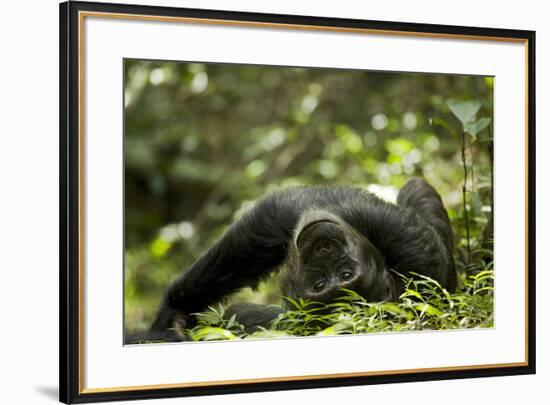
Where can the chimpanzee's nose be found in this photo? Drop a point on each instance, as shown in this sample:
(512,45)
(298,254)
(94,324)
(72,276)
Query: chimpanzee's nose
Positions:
(332,290)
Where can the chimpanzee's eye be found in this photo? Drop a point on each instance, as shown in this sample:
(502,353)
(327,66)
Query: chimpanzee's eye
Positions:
(319,285)
(346,275)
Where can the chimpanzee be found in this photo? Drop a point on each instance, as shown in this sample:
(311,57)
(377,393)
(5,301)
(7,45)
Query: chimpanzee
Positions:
(322,238)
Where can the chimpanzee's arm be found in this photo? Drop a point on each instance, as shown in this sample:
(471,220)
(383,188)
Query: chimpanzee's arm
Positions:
(251,248)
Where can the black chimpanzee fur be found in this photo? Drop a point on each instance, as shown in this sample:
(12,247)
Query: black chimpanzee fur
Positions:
(323,239)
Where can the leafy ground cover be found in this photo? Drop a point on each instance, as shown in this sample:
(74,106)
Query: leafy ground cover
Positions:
(424,305)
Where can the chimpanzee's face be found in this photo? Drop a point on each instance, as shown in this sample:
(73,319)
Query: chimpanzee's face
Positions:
(327,255)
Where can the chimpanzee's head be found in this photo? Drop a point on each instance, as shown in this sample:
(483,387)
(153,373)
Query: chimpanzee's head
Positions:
(326,254)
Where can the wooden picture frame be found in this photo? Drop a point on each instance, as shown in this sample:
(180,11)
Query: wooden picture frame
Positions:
(76,85)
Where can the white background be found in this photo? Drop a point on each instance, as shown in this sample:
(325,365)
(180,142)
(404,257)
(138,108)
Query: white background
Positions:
(29,221)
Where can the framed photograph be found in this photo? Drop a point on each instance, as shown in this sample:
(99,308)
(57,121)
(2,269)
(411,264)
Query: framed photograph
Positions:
(255,202)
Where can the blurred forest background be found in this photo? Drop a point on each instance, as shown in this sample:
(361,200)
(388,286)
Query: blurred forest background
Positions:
(203,141)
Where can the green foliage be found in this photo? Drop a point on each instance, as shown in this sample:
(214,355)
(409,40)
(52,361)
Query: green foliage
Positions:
(424,305)
(211,325)
(465,112)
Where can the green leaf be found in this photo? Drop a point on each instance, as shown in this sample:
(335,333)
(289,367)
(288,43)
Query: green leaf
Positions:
(293,302)
(327,332)
(231,321)
(465,111)
(213,316)
(484,274)
(474,128)
(393,308)
(210,333)
(264,334)
(336,329)
(484,289)
(429,310)
(408,292)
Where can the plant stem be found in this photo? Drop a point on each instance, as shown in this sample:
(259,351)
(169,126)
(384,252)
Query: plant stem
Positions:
(472,167)
(464,196)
